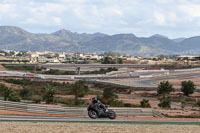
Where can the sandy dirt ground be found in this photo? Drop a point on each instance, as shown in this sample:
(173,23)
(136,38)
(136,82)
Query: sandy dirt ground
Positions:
(47,127)
(2,68)
(177,83)
(6,112)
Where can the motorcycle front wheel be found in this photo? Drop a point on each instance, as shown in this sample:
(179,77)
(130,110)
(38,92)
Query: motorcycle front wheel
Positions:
(92,114)
(111,114)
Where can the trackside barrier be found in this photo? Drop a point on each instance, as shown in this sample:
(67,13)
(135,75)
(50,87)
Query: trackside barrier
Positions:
(131,87)
(72,111)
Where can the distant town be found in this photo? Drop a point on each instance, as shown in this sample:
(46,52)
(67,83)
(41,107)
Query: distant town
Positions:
(21,57)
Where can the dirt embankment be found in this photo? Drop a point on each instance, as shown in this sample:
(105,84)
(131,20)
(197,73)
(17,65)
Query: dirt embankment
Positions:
(2,68)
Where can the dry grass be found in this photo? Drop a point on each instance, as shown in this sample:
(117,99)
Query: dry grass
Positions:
(47,127)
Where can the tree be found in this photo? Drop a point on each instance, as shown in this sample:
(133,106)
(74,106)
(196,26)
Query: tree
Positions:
(108,60)
(26,94)
(165,102)
(79,89)
(145,103)
(109,97)
(6,94)
(112,54)
(119,60)
(165,88)
(49,93)
(5,91)
(14,96)
(188,87)
(9,94)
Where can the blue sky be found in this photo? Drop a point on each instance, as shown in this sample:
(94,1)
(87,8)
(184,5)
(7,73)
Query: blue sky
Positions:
(173,18)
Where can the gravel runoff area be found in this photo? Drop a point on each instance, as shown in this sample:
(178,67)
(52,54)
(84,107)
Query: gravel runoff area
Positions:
(54,127)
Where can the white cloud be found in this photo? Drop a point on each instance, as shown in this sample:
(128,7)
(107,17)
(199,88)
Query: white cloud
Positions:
(109,16)
(159,18)
(57,20)
(191,10)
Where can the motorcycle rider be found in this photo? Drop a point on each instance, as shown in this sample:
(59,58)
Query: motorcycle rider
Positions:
(101,105)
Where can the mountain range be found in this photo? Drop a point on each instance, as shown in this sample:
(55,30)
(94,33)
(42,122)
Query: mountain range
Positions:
(15,38)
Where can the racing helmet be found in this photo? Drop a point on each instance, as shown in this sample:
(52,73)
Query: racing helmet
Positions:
(94,100)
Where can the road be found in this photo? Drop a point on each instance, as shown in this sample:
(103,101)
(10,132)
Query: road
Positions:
(70,119)
(83,67)
(152,82)
(141,74)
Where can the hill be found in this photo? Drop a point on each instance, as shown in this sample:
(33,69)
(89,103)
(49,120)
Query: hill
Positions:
(15,38)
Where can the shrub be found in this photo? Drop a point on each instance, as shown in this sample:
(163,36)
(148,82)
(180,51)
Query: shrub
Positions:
(165,102)
(188,87)
(6,93)
(131,105)
(116,103)
(3,91)
(183,104)
(109,96)
(49,93)
(14,96)
(145,103)
(165,88)
(79,89)
(127,105)
(36,99)
(198,103)
(26,94)
(2,87)
(58,72)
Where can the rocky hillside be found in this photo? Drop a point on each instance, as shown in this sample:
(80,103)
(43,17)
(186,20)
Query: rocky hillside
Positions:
(15,38)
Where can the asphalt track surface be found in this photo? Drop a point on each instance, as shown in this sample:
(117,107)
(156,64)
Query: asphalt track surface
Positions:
(70,119)
(151,82)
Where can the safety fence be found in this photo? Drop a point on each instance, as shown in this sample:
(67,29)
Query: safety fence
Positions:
(69,111)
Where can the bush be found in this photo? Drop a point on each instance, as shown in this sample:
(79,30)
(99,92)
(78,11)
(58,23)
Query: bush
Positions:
(183,104)
(49,93)
(79,89)
(145,103)
(188,87)
(109,96)
(127,105)
(2,89)
(101,71)
(14,96)
(131,105)
(165,102)
(36,99)
(116,103)
(26,94)
(58,72)
(198,103)
(165,88)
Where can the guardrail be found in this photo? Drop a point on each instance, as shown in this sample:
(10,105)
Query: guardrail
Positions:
(71,111)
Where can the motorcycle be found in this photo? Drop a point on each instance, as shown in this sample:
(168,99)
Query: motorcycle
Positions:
(95,111)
